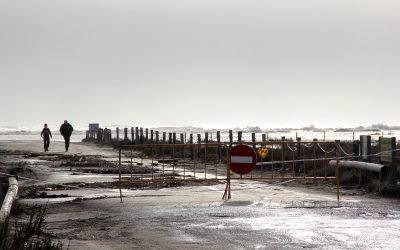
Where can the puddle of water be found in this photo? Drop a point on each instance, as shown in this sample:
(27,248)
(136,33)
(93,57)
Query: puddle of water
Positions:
(326,230)
(187,238)
(35,161)
(237,203)
(48,200)
(377,215)
(90,178)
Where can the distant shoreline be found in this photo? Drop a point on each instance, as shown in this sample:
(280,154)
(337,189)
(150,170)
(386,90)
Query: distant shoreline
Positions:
(308,133)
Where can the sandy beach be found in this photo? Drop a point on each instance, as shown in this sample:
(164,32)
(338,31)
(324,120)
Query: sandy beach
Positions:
(85,212)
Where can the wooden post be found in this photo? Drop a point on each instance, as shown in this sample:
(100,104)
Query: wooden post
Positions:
(240,137)
(283,155)
(230,138)
(339,155)
(253,139)
(315,156)
(198,148)
(264,137)
(356,152)
(387,149)
(164,137)
(132,135)
(169,138)
(151,136)
(137,137)
(98,134)
(183,147)
(356,148)
(117,133)
(107,135)
(141,136)
(192,147)
(157,143)
(219,148)
(147,135)
(338,142)
(206,137)
(174,138)
(365,148)
(125,134)
(394,159)
(365,155)
(298,155)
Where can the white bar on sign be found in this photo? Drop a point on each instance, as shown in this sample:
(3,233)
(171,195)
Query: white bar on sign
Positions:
(241,159)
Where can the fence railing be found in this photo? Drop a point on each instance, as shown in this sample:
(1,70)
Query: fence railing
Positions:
(165,163)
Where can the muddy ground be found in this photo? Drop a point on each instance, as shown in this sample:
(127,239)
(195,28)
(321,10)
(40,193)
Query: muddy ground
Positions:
(81,191)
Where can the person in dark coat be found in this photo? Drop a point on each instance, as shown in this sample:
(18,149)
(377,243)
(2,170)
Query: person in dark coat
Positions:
(46,134)
(66,131)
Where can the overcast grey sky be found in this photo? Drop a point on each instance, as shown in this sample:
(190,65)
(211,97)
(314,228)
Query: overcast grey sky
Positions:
(209,62)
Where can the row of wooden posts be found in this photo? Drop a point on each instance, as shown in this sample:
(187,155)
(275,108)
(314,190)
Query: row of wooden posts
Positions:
(145,136)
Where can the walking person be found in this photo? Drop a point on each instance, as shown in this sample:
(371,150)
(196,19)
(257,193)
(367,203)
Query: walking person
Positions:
(66,131)
(46,134)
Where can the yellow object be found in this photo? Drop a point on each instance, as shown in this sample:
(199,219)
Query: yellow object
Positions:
(263,152)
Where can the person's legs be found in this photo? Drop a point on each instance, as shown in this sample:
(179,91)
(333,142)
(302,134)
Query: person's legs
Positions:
(66,143)
(46,144)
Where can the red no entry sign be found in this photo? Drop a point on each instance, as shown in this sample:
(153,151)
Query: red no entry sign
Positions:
(243,159)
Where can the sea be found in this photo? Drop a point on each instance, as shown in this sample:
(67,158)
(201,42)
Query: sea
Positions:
(9,133)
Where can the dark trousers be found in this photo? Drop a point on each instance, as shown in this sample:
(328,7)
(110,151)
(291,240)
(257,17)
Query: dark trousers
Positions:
(66,139)
(46,142)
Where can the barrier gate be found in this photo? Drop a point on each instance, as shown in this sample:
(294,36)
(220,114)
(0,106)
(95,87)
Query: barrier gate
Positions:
(287,160)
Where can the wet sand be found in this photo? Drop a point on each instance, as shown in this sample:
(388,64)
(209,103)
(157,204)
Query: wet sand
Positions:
(85,211)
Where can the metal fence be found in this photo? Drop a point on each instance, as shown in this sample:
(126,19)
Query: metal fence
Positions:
(211,162)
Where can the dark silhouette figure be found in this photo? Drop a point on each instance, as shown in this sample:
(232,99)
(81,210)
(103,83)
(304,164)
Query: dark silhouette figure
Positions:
(46,134)
(66,131)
